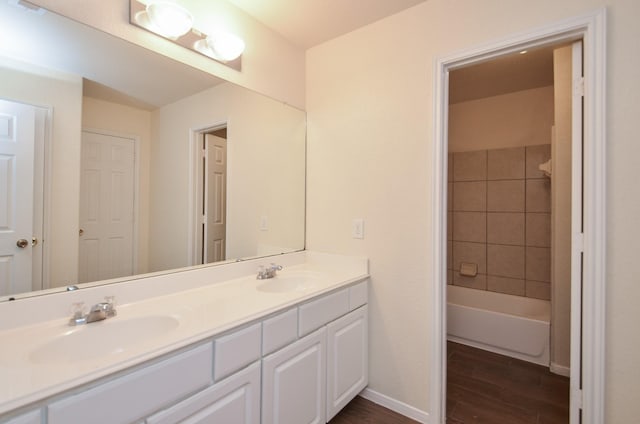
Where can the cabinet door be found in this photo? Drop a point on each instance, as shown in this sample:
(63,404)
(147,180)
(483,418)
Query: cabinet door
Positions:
(293,382)
(234,400)
(347,359)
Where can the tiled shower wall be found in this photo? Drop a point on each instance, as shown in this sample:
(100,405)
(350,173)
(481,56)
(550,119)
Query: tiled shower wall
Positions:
(499,217)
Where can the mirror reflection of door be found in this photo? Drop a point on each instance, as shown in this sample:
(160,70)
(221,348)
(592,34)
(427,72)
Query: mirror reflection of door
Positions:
(22,136)
(212,199)
(107,206)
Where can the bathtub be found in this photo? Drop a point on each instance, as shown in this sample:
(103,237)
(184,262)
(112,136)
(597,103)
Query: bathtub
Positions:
(509,325)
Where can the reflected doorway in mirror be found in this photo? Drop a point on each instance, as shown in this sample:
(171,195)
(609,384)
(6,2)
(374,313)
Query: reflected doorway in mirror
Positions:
(22,141)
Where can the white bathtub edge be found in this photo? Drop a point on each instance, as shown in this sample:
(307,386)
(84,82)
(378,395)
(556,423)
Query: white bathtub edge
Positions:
(560,369)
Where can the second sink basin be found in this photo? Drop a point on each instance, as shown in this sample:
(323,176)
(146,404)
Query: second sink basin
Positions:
(291,281)
(104,338)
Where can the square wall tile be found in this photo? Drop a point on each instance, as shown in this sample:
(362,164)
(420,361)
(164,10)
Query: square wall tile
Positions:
(449,276)
(505,228)
(470,226)
(506,164)
(538,266)
(538,229)
(470,196)
(449,254)
(450,167)
(538,290)
(535,156)
(478,282)
(449,196)
(539,195)
(449,225)
(475,253)
(505,196)
(505,285)
(470,166)
(505,261)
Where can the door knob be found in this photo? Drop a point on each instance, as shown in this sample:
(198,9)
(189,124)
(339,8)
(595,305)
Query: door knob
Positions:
(81,232)
(22,243)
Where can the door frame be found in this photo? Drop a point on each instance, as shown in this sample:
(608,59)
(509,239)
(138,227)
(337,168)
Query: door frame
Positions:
(136,184)
(591,28)
(194,186)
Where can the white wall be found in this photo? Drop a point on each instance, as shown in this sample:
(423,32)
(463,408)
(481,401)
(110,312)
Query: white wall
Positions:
(265,149)
(370,112)
(270,64)
(127,121)
(63,94)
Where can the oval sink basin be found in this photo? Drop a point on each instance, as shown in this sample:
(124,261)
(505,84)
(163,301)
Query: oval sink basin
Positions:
(292,281)
(109,337)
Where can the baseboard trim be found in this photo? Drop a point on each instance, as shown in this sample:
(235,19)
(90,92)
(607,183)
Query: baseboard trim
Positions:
(560,369)
(395,405)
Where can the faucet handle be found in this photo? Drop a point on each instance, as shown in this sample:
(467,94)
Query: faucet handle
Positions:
(111,306)
(78,315)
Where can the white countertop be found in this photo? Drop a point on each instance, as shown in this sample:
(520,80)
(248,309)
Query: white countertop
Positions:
(28,375)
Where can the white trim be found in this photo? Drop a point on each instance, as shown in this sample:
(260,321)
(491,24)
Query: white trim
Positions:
(395,405)
(136,185)
(592,29)
(194,158)
(560,369)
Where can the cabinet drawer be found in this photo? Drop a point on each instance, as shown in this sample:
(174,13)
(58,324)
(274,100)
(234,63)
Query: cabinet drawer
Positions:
(33,417)
(136,395)
(279,331)
(358,295)
(233,400)
(236,350)
(317,313)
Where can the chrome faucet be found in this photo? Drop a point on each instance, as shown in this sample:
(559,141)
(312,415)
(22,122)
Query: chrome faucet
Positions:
(268,272)
(98,312)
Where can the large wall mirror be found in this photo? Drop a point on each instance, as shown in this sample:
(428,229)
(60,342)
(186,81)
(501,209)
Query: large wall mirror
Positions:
(133,163)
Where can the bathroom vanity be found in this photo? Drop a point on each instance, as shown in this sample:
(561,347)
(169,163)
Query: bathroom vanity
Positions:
(214,344)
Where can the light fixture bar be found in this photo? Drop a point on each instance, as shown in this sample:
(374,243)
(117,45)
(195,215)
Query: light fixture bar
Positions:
(192,39)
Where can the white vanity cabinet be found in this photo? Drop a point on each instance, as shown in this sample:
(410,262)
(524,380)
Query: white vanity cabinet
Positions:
(33,417)
(293,386)
(298,365)
(347,359)
(134,396)
(235,400)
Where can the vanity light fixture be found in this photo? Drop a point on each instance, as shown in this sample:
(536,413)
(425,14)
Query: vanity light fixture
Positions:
(173,22)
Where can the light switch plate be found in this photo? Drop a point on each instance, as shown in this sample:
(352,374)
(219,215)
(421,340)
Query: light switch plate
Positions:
(357,228)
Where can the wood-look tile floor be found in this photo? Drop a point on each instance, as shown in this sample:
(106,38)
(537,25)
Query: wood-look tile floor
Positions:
(484,387)
(363,411)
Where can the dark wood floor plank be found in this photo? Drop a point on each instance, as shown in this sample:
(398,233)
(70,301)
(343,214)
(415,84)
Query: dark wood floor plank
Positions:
(363,411)
(489,388)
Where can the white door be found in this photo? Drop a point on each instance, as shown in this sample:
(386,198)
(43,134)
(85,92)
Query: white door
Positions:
(293,382)
(107,199)
(347,359)
(17,134)
(216,194)
(577,235)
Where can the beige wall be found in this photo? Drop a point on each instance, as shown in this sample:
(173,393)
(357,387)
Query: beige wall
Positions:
(127,121)
(265,149)
(63,95)
(370,149)
(523,118)
(270,64)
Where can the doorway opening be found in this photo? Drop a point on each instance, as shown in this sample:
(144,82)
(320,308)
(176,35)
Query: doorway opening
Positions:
(211,195)
(587,234)
(509,235)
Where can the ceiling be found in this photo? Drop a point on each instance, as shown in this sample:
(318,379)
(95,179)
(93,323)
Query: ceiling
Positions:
(307,23)
(506,74)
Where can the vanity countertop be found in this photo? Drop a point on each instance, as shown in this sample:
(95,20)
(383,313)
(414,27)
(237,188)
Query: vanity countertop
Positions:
(37,361)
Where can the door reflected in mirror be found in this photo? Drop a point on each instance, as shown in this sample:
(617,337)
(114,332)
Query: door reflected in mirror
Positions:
(127,179)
